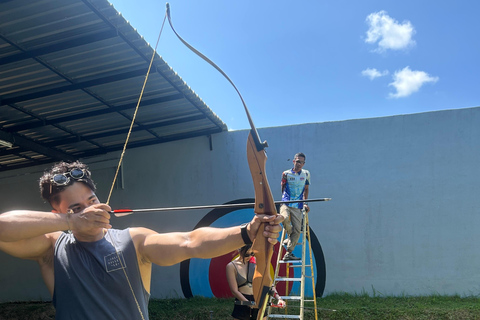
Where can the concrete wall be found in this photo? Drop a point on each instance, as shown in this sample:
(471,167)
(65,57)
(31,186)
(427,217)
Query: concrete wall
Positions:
(403,219)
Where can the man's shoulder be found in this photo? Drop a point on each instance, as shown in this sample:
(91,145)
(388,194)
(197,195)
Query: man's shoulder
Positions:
(138,233)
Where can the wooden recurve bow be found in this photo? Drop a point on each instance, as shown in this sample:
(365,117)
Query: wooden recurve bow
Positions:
(264,202)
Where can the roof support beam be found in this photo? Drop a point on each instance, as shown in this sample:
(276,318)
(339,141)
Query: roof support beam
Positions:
(48,90)
(78,116)
(64,141)
(28,144)
(58,46)
(175,137)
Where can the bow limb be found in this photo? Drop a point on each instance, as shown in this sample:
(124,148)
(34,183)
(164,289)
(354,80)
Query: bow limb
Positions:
(264,204)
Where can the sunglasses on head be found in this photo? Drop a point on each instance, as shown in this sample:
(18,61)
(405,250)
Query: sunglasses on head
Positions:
(63,179)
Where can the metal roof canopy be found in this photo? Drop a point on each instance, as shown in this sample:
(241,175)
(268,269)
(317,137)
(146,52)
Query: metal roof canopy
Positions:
(71,72)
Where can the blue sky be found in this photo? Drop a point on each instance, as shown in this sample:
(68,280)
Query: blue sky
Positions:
(315,61)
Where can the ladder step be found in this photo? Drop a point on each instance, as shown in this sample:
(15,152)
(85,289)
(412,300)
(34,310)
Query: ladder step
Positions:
(288,279)
(298,266)
(292,298)
(304,262)
(284,316)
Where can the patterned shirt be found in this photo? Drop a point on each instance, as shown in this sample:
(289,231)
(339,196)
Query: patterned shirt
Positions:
(294,186)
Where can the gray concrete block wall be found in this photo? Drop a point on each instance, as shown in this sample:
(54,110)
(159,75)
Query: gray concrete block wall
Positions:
(403,219)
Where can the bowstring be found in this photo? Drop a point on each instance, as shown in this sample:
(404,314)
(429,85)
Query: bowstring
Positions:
(123,266)
(135,113)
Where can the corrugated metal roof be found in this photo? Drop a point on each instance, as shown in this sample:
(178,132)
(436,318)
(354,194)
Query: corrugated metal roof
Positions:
(71,72)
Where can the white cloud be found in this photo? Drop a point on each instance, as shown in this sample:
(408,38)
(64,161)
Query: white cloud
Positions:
(389,33)
(407,82)
(373,73)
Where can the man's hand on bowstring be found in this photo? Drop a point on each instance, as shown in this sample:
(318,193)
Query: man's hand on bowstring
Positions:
(91,218)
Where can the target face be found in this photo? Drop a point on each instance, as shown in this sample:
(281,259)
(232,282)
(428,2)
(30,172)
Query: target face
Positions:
(207,277)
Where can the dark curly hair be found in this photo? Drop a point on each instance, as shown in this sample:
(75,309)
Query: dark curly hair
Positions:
(50,191)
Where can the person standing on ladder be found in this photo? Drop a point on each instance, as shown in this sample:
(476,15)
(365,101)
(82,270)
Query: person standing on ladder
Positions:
(295,184)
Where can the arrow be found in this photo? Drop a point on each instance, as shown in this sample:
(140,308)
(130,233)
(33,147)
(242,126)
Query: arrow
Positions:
(126,212)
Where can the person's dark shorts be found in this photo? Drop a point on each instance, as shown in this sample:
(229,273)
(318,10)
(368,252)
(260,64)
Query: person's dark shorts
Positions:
(244,312)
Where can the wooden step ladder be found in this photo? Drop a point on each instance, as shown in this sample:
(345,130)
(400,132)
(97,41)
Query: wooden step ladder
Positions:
(295,264)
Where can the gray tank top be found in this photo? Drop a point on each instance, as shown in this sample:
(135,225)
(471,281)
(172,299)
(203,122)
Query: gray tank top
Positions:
(90,282)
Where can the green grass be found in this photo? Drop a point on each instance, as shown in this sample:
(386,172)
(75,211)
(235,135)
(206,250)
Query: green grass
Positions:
(347,306)
(405,308)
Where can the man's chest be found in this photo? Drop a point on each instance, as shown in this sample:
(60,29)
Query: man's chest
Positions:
(296,179)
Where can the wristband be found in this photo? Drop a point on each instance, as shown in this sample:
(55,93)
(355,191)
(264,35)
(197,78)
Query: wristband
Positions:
(243,231)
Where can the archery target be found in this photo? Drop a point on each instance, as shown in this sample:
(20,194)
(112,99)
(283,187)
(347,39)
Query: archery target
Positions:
(207,277)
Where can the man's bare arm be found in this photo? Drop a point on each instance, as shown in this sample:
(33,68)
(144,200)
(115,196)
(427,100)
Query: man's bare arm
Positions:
(24,224)
(171,248)
(29,234)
